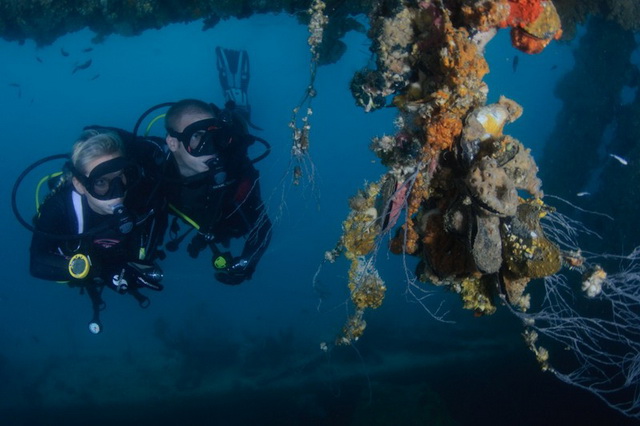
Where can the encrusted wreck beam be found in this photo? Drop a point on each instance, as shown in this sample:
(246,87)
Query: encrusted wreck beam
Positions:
(46,20)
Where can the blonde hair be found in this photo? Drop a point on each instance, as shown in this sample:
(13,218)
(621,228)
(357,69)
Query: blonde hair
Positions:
(93,144)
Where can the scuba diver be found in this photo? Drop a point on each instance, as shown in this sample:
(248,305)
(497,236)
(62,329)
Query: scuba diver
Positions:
(212,183)
(101,224)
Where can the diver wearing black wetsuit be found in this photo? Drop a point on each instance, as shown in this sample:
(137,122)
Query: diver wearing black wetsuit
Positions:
(107,201)
(211,182)
(213,185)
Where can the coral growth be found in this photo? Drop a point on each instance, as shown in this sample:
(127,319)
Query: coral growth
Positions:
(367,288)
(367,291)
(353,329)
(491,188)
(361,227)
(459,174)
(528,253)
(534,23)
(477,295)
(370,87)
(592,281)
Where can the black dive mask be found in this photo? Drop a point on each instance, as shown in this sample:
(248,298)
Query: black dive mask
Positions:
(109,180)
(199,138)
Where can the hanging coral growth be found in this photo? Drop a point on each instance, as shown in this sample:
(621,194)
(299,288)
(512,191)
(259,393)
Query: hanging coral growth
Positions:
(470,194)
(451,168)
(300,124)
(473,206)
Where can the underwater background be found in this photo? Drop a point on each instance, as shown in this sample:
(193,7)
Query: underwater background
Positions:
(206,353)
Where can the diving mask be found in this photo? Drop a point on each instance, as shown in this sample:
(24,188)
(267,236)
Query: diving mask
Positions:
(109,180)
(201,137)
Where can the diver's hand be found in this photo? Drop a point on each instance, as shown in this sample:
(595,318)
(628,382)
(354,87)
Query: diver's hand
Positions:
(238,271)
(146,275)
(135,274)
(241,266)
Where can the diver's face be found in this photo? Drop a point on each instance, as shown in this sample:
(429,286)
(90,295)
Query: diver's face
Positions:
(187,163)
(102,207)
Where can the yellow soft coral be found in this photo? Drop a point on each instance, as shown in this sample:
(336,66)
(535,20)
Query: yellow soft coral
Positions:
(367,288)
(476,296)
(361,227)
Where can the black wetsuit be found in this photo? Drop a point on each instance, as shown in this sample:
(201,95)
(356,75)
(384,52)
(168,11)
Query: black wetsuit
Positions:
(106,246)
(224,202)
(99,238)
(66,213)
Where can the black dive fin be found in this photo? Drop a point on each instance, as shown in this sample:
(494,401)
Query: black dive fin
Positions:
(233,71)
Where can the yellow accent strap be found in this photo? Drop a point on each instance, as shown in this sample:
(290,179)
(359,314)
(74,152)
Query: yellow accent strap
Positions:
(43,180)
(184,217)
(146,133)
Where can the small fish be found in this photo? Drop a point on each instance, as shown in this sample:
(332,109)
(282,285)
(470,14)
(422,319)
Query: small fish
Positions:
(63,52)
(88,49)
(82,66)
(583,194)
(39,59)
(14,84)
(620,160)
(95,77)
(554,67)
(516,60)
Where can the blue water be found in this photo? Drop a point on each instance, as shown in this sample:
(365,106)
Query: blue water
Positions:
(205,353)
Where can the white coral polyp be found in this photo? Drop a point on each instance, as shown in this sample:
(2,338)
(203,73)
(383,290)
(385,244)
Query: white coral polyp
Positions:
(592,287)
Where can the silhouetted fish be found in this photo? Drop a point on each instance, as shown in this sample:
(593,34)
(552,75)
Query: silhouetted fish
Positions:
(14,84)
(94,77)
(39,59)
(82,66)
(554,67)
(88,49)
(64,52)
(514,63)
